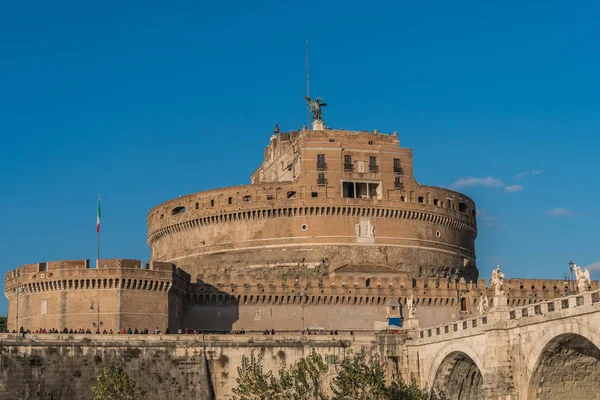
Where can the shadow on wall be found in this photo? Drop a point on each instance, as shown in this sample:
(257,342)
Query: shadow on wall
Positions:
(209,309)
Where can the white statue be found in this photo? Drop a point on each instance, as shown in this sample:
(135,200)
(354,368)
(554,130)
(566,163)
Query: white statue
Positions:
(412,306)
(498,282)
(582,276)
(483,305)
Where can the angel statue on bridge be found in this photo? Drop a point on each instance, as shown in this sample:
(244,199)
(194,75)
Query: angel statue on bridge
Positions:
(483,305)
(582,276)
(316,106)
(498,282)
(412,306)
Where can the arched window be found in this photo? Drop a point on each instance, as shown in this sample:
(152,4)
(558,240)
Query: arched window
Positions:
(178,210)
(463,304)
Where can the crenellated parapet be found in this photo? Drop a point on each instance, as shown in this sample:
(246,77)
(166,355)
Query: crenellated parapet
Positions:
(367,290)
(110,274)
(70,294)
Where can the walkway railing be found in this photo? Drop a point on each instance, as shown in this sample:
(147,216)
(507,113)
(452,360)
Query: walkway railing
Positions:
(475,325)
(471,324)
(556,305)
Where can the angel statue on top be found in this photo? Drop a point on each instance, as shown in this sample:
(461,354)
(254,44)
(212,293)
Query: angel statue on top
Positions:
(582,276)
(498,282)
(316,106)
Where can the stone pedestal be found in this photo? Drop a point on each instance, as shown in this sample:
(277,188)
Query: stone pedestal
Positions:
(500,301)
(411,323)
(318,125)
(499,310)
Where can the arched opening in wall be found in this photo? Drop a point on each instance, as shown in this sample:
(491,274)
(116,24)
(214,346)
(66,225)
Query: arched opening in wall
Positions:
(368,282)
(463,304)
(462,207)
(178,210)
(458,378)
(568,367)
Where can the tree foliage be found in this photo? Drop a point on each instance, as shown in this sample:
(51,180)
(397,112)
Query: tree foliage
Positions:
(115,384)
(300,381)
(357,377)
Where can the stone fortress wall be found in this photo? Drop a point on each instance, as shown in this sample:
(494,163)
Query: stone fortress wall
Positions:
(120,294)
(321,198)
(116,295)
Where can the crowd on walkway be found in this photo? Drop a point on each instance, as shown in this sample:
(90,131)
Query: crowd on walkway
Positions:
(157,331)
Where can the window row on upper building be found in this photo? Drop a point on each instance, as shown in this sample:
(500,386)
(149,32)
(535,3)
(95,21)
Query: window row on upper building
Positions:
(360,165)
(366,190)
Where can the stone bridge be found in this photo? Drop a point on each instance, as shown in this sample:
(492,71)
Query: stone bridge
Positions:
(547,350)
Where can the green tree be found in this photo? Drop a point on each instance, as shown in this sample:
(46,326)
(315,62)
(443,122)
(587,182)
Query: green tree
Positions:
(400,390)
(115,384)
(2,324)
(358,377)
(300,381)
(303,380)
(253,383)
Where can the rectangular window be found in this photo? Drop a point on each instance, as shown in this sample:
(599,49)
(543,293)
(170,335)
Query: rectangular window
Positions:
(230,200)
(373,164)
(361,190)
(247,199)
(197,206)
(269,197)
(421,199)
(314,194)
(436,202)
(321,164)
(331,140)
(321,179)
(397,182)
(397,166)
(212,203)
(348,163)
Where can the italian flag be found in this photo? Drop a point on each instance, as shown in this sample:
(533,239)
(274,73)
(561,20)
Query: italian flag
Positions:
(98,217)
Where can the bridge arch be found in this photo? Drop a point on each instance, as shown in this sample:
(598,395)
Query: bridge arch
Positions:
(564,362)
(457,371)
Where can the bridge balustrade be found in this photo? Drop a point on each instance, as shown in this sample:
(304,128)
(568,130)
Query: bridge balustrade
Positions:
(472,325)
(456,326)
(556,305)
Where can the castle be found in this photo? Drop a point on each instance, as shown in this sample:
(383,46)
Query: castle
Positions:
(332,227)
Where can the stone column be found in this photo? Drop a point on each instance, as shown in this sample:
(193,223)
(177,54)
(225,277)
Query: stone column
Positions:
(498,365)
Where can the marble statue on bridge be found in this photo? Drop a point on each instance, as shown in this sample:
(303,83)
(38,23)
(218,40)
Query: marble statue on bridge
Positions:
(412,306)
(483,305)
(582,276)
(498,282)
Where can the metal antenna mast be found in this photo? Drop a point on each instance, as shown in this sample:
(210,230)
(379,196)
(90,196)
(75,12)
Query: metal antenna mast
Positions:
(307,85)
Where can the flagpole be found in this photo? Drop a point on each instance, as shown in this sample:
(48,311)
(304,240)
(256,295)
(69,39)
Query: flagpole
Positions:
(98,233)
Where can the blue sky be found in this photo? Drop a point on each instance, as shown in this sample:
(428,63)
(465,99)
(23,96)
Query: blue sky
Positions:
(144,101)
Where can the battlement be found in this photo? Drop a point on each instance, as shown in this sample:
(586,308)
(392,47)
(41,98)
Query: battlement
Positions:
(111,273)
(378,280)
